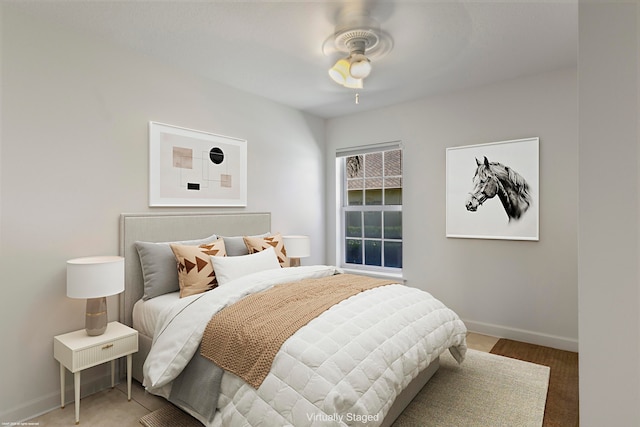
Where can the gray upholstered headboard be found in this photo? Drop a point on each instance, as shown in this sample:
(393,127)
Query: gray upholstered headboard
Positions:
(166,227)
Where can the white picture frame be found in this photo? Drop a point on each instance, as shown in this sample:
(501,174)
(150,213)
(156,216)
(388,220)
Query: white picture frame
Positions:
(513,168)
(189,167)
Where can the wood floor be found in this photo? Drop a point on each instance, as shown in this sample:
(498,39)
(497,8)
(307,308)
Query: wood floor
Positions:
(110,407)
(562,406)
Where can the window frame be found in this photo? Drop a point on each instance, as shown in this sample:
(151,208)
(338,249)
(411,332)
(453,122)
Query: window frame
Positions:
(342,208)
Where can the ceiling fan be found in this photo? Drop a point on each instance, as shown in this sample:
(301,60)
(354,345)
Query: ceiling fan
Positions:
(359,37)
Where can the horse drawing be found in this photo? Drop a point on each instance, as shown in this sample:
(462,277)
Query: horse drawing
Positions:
(493,178)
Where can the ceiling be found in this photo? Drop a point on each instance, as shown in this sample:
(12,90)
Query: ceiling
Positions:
(274,48)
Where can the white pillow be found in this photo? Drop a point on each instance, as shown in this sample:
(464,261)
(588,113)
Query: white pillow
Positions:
(232,267)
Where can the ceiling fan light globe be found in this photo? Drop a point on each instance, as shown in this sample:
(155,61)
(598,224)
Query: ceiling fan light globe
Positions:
(360,67)
(339,73)
(352,83)
(336,76)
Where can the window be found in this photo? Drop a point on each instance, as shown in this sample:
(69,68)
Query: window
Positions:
(370,187)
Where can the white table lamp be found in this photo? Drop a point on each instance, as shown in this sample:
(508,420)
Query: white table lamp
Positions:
(95,278)
(297,247)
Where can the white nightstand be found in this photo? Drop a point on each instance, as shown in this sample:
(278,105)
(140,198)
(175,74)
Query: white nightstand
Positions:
(77,351)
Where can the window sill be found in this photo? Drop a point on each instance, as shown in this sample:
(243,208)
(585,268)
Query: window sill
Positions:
(378,274)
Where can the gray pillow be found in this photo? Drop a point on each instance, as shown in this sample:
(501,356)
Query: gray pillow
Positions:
(159,266)
(235,246)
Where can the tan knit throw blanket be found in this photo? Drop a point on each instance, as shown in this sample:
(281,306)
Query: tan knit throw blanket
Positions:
(244,338)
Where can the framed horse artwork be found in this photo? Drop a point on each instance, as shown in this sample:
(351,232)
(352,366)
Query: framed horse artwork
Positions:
(493,190)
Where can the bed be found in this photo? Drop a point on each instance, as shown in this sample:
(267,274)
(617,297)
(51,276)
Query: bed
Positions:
(379,402)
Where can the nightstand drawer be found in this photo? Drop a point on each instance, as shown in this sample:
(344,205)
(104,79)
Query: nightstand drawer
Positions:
(78,351)
(96,355)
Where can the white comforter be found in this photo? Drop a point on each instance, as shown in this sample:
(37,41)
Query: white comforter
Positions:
(345,367)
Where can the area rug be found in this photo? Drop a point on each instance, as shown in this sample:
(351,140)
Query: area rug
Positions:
(562,408)
(169,416)
(486,390)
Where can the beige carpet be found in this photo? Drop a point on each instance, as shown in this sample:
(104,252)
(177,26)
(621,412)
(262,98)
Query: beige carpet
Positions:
(486,390)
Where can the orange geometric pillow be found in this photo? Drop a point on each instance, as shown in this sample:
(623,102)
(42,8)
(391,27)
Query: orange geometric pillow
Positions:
(195,271)
(257,244)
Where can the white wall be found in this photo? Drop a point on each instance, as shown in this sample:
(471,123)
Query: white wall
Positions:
(608,234)
(520,290)
(75,112)
(1,68)
(73,156)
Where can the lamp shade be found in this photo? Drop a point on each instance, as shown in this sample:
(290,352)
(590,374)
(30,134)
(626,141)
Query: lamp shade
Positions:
(95,277)
(297,246)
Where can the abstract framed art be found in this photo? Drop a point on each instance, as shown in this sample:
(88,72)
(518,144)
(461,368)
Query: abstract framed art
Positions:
(195,168)
(493,190)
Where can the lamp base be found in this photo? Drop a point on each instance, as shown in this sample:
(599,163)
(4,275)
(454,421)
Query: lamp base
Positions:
(96,316)
(294,262)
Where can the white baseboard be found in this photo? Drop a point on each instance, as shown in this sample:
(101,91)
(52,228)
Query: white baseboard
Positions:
(499,331)
(42,405)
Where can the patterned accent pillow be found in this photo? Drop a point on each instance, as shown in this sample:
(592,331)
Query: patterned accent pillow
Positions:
(195,271)
(257,244)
